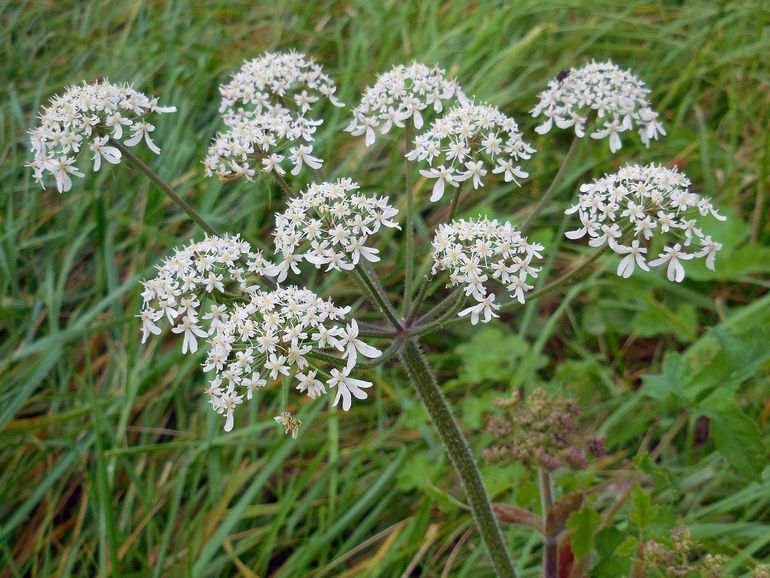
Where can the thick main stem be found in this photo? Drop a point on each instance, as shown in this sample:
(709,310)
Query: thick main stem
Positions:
(409,261)
(181,203)
(424,381)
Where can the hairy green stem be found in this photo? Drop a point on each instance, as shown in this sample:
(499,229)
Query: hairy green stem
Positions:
(409,259)
(443,319)
(373,289)
(550,548)
(184,205)
(424,382)
(552,188)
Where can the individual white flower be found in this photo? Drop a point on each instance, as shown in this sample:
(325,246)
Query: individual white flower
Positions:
(329,225)
(266,106)
(347,387)
(641,209)
(87,117)
(476,251)
(353,345)
(613,99)
(402,95)
(466,143)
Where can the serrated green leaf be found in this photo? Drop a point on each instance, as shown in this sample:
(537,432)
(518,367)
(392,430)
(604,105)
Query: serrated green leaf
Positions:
(643,512)
(736,436)
(583,524)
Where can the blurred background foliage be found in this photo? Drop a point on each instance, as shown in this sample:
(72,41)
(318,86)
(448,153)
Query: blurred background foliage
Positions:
(112,465)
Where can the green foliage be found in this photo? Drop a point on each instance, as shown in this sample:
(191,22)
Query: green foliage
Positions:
(583,525)
(112,465)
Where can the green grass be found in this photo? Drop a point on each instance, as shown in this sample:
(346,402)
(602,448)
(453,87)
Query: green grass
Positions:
(110,462)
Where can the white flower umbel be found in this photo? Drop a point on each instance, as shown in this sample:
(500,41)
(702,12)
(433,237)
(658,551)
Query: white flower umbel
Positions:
(478,251)
(466,144)
(643,209)
(612,99)
(82,121)
(272,337)
(195,275)
(329,225)
(402,94)
(267,106)
(289,79)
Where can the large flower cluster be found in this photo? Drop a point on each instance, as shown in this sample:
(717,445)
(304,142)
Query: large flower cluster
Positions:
(330,224)
(266,108)
(468,142)
(252,336)
(640,208)
(85,118)
(400,94)
(475,250)
(616,97)
(271,338)
(199,272)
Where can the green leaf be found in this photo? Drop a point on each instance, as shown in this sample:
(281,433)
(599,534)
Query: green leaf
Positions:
(490,355)
(736,435)
(642,513)
(583,524)
(669,382)
(656,319)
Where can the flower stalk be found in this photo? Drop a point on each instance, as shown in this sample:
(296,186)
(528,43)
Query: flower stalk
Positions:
(165,187)
(424,382)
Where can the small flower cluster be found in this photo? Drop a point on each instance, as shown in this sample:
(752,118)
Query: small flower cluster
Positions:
(265,107)
(541,432)
(87,117)
(330,224)
(400,94)
(679,559)
(468,142)
(643,204)
(200,270)
(476,249)
(617,97)
(270,337)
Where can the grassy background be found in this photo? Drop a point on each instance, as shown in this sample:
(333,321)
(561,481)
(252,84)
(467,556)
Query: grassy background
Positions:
(110,461)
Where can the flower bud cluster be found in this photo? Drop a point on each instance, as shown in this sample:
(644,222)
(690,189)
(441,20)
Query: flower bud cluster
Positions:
(400,94)
(541,432)
(252,336)
(329,224)
(617,98)
(266,108)
(467,143)
(84,119)
(475,250)
(680,557)
(640,208)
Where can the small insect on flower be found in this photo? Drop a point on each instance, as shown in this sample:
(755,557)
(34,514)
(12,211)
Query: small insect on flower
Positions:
(602,92)
(266,106)
(466,144)
(290,423)
(89,117)
(402,94)
(476,251)
(329,225)
(644,208)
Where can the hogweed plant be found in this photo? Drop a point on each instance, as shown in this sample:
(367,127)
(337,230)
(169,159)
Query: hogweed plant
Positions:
(247,310)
